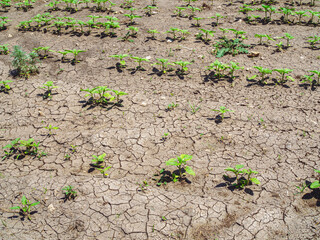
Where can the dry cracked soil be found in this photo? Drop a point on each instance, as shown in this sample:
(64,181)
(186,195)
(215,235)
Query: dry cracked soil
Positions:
(273,129)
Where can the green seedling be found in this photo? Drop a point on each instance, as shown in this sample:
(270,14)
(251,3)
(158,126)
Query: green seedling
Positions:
(118,94)
(242,182)
(193,11)
(173,31)
(222,110)
(310,78)
(50,128)
(54,5)
(11,148)
(163,63)
(134,30)
(313,40)
(149,10)
(122,63)
(184,34)
(59,25)
(144,186)
(180,162)
(172,106)
(207,33)
(245,9)
(153,32)
(194,108)
(75,53)
(237,32)
(103,170)
(163,218)
(48,86)
(279,46)
(217,16)
(67,157)
(260,36)
(24,63)
(197,21)
(286,12)
(302,187)
(4,86)
(315,184)
(218,67)
(224,31)
(99,95)
(139,61)
(4,50)
(98,160)
(44,49)
(179,11)
(73,148)
(283,72)
(42,154)
(31,147)
(132,17)
(25,209)
(233,67)
(183,65)
(263,73)
(69,193)
(300,15)
(164,136)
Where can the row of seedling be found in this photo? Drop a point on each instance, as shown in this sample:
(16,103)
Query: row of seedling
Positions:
(313,17)
(20,148)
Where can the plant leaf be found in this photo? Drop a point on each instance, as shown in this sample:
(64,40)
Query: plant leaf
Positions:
(315,184)
(190,171)
(255,180)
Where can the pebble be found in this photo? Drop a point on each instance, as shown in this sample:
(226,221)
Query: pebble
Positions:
(9,35)
(169,40)
(51,207)
(144,104)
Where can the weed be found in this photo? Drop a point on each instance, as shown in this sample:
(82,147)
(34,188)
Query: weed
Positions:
(67,157)
(4,49)
(172,106)
(164,136)
(230,46)
(25,208)
(24,63)
(69,192)
(194,108)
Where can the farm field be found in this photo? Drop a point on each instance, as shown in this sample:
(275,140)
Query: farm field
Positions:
(93,137)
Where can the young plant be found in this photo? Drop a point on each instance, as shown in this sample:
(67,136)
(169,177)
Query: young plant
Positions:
(132,17)
(310,78)
(118,94)
(313,40)
(25,209)
(206,32)
(75,53)
(98,160)
(163,63)
(184,33)
(99,95)
(149,10)
(183,68)
(122,63)
(31,147)
(153,32)
(283,72)
(180,162)
(218,67)
(222,110)
(44,49)
(315,184)
(4,50)
(4,86)
(197,21)
(263,73)
(24,63)
(69,193)
(217,16)
(233,67)
(288,37)
(139,61)
(242,181)
(48,86)
(179,11)
(164,136)
(12,148)
(173,31)
(50,128)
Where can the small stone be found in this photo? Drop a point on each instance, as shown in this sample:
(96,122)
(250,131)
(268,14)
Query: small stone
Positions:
(253,54)
(51,207)
(9,35)
(144,104)
(148,57)
(169,40)
(41,113)
(121,11)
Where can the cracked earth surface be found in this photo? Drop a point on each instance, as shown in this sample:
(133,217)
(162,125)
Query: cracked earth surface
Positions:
(283,148)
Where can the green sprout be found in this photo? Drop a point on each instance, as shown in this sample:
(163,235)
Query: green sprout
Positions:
(263,73)
(139,61)
(31,147)
(69,193)
(164,136)
(132,17)
(99,95)
(25,209)
(164,64)
(218,67)
(217,16)
(12,148)
(172,106)
(242,181)
(180,162)
(173,31)
(233,67)
(153,32)
(50,128)
(183,65)
(122,63)
(48,86)
(194,108)
(179,11)
(313,40)
(197,21)
(75,53)
(206,32)
(283,72)
(98,160)
(222,111)
(4,86)
(315,184)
